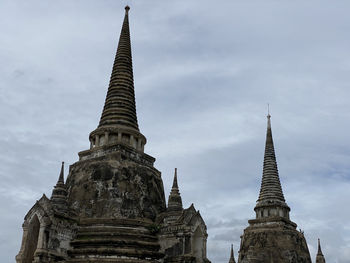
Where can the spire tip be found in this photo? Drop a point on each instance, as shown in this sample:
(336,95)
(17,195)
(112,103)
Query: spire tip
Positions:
(232,257)
(268,111)
(175,185)
(319,252)
(61,177)
(127,8)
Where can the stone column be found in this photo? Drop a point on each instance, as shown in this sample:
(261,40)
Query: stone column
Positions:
(106,138)
(119,137)
(132,140)
(41,238)
(97,140)
(41,250)
(139,142)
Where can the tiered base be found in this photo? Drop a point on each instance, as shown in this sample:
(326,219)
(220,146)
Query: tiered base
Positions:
(115,240)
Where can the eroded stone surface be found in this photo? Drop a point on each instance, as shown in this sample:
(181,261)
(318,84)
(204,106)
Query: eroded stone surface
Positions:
(273,242)
(112,187)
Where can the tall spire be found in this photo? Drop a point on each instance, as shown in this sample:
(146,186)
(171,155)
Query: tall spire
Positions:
(232,257)
(118,123)
(271,195)
(270,186)
(320,258)
(175,201)
(119,108)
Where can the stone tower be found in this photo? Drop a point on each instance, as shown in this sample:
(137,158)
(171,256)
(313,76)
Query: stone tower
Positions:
(232,257)
(272,237)
(112,206)
(319,257)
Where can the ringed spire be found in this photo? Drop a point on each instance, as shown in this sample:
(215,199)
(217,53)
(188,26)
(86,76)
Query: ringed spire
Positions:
(118,123)
(120,106)
(271,200)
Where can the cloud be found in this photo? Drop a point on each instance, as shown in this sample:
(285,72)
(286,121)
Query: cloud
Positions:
(203,76)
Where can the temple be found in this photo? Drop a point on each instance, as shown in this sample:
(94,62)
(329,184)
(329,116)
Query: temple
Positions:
(112,206)
(272,236)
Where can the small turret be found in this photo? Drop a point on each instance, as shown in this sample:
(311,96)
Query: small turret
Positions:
(319,257)
(175,201)
(59,193)
(232,257)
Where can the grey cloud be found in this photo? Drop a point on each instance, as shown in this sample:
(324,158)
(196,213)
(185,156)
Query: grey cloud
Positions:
(203,74)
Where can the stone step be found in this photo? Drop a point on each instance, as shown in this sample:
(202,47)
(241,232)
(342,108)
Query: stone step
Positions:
(114,242)
(111,260)
(108,251)
(116,234)
(114,222)
(119,229)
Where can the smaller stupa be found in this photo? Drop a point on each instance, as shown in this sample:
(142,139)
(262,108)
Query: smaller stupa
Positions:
(272,237)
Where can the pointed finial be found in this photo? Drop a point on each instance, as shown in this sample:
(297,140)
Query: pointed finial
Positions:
(175,201)
(268,116)
(232,257)
(127,8)
(319,248)
(59,193)
(61,178)
(175,185)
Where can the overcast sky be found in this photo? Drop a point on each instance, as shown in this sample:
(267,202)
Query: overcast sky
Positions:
(204,73)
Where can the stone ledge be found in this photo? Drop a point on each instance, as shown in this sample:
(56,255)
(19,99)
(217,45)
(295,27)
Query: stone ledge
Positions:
(126,252)
(115,222)
(125,234)
(115,242)
(129,153)
(111,260)
(270,221)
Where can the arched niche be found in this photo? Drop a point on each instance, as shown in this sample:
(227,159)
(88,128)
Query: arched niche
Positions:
(32,240)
